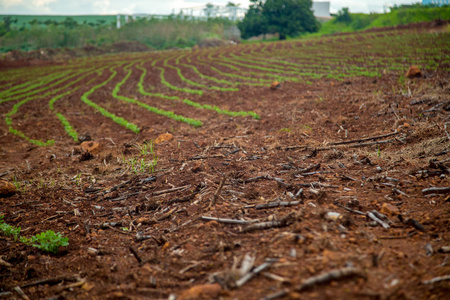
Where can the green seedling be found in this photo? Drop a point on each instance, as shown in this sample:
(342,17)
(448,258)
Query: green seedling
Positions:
(8,230)
(48,241)
(288,130)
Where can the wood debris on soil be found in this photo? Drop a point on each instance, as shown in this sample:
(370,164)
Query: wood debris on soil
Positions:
(339,190)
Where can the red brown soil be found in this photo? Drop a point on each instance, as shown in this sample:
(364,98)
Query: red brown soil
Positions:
(62,192)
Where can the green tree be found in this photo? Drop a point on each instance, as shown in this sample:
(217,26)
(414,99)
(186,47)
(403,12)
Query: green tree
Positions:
(34,22)
(69,23)
(254,22)
(285,17)
(290,17)
(343,16)
(209,10)
(5,25)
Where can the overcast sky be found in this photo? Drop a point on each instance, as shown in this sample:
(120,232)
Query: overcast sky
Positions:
(71,7)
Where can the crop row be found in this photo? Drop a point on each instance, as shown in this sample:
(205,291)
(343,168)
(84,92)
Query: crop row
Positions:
(188,77)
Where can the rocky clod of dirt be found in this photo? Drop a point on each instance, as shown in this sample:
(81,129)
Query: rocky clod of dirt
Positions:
(6,189)
(413,71)
(165,137)
(275,85)
(91,147)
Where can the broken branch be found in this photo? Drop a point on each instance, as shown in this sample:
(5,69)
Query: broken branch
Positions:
(277,204)
(255,271)
(286,221)
(216,194)
(437,279)
(330,276)
(228,221)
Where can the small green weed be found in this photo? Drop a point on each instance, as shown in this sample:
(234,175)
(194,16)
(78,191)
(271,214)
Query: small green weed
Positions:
(48,241)
(288,130)
(8,230)
(142,164)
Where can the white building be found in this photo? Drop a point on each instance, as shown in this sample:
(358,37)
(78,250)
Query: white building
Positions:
(321,9)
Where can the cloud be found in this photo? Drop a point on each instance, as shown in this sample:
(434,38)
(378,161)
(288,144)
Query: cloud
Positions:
(26,6)
(41,3)
(102,7)
(10,3)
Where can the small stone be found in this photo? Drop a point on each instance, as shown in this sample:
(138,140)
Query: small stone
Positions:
(7,189)
(275,85)
(204,291)
(413,71)
(389,209)
(198,167)
(91,147)
(165,137)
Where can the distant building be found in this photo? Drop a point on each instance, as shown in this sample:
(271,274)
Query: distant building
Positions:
(322,9)
(436,2)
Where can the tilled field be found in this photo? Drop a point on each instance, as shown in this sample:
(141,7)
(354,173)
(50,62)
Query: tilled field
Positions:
(183,174)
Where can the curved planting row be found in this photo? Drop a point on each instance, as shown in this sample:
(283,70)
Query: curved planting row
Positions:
(187,78)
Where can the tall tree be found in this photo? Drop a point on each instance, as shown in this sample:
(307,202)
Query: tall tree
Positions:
(285,17)
(290,17)
(254,22)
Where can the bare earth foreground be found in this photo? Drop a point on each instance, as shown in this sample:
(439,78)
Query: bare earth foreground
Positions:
(341,171)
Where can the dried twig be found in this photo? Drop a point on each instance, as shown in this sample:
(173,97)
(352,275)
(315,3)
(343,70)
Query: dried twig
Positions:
(198,157)
(5,173)
(197,263)
(141,237)
(275,277)
(5,294)
(316,185)
(436,190)
(135,254)
(415,224)
(124,197)
(381,216)
(346,177)
(277,204)
(446,132)
(216,194)
(171,190)
(5,263)
(320,279)
(51,281)
(167,214)
(351,210)
(112,189)
(330,276)
(287,220)
(397,191)
(228,221)
(21,293)
(276,295)
(437,279)
(255,271)
(373,217)
(266,177)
